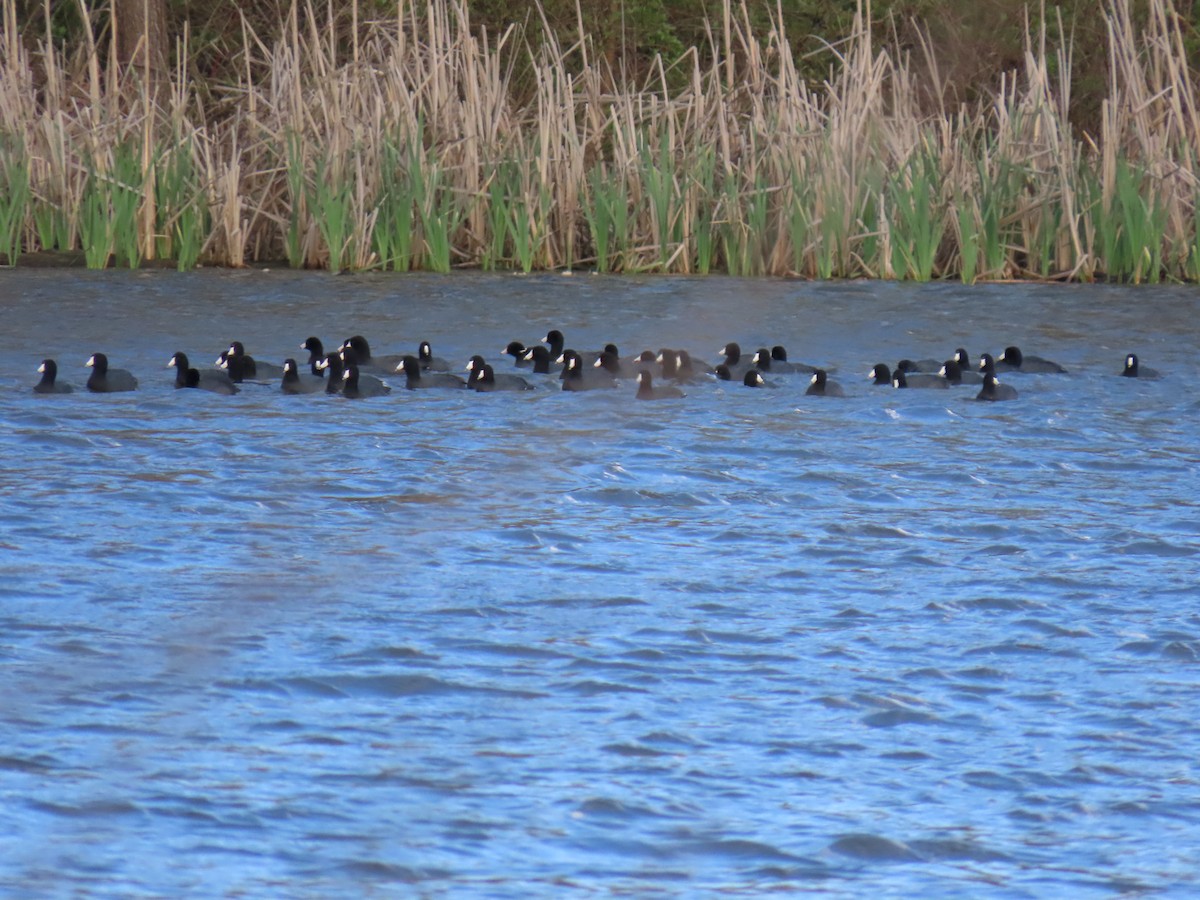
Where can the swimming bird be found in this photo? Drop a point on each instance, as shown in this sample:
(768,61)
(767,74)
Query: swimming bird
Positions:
(368,361)
(1134,369)
(415,379)
(821,386)
(753,378)
(902,379)
(316,353)
(215,380)
(647,390)
(539,358)
(104,380)
(429,362)
(517,351)
(49,383)
(763,361)
(295,382)
(483,378)
(734,361)
(953,372)
(881,374)
(251,368)
(993,390)
(577,377)
(908,366)
(610,361)
(356,385)
(779,354)
(1014,359)
(336,369)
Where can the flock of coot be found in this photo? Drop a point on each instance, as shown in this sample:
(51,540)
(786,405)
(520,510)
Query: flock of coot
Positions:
(354,371)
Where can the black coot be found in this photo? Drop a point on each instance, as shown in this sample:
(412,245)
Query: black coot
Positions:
(357,386)
(415,379)
(316,353)
(648,391)
(1134,369)
(296,382)
(215,380)
(49,383)
(954,373)
(821,386)
(483,378)
(993,390)
(1013,358)
(104,380)
(902,379)
(368,361)
(333,366)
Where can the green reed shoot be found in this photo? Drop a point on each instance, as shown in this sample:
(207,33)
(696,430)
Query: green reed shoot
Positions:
(656,167)
(704,177)
(331,201)
(96,222)
(440,214)
(14,195)
(916,227)
(967,214)
(125,198)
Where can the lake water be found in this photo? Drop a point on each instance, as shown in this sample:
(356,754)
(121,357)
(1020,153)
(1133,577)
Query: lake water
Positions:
(897,644)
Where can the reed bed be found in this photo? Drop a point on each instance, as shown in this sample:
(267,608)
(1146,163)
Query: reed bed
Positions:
(417,152)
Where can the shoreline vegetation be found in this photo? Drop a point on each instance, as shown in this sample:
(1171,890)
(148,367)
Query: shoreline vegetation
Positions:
(414,150)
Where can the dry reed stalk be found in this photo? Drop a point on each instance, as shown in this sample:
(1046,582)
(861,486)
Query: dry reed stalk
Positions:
(798,180)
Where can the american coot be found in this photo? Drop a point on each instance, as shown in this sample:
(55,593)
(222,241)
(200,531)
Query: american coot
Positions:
(49,383)
(517,351)
(555,343)
(954,373)
(678,366)
(1013,358)
(993,390)
(104,380)
(962,358)
(429,362)
(821,386)
(753,378)
(333,366)
(734,361)
(926,366)
(881,374)
(295,382)
(215,380)
(368,361)
(540,359)
(251,368)
(577,377)
(764,362)
(415,379)
(987,365)
(1134,369)
(356,385)
(610,361)
(902,379)
(316,353)
(483,378)
(648,391)
(779,354)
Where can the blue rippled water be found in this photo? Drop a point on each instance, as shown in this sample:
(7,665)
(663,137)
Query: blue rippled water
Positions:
(898,644)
